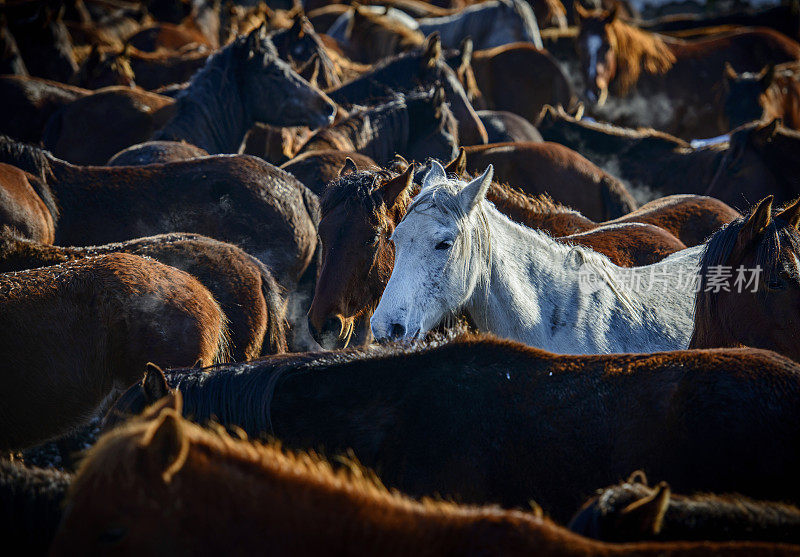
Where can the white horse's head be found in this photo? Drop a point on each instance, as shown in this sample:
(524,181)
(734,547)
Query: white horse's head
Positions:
(442,255)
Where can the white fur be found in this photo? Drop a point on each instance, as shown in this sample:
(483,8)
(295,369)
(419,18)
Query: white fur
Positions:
(521,284)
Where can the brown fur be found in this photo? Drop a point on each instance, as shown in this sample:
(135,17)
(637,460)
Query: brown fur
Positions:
(21,206)
(95,323)
(372,37)
(243,286)
(316,169)
(156,463)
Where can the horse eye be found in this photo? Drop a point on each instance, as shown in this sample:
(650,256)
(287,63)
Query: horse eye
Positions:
(112,535)
(444,244)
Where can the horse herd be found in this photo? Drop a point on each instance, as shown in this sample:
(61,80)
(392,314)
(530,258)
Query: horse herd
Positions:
(455,277)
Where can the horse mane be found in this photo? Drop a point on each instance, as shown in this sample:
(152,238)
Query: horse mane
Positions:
(637,50)
(34,161)
(648,134)
(356,187)
(718,250)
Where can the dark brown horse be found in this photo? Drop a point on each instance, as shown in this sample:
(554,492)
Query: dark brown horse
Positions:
(26,103)
(93,128)
(240,85)
(94,323)
(265,495)
(774,92)
(11,62)
(654,163)
(242,285)
(503,127)
(416,125)
(731,311)
(558,171)
(299,44)
(634,511)
(237,199)
(544,427)
(360,211)
(316,169)
(33,502)
(421,68)
(373,37)
(629,64)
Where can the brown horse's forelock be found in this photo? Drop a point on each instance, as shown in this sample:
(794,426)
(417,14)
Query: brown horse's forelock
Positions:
(356,187)
(777,236)
(32,160)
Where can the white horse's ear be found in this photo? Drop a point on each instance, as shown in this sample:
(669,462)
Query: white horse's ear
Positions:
(435,175)
(474,192)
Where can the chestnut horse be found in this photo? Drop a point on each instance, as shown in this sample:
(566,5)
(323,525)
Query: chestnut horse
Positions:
(558,171)
(263,495)
(242,285)
(238,199)
(543,427)
(764,314)
(360,211)
(112,314)
(27,205)
(634,511)
(653,79)
(316,169)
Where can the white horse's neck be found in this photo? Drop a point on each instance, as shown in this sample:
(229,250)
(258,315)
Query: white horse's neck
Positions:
(534,296)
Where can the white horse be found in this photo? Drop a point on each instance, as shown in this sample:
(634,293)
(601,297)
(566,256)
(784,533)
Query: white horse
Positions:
(456,252)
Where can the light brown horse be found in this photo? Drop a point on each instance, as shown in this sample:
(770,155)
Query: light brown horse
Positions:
(654,78)
(26,205)
(763,314)
(76,332)
(262,496)
(243,286)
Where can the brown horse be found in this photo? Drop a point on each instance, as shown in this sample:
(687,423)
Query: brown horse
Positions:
(416,125)
(91,129)
(656,77)
(360,211)
(167,36)
(558,171)
(113,314)
(764,314)
(634,511)
(264,494)
(316,169)
(373,37)
(549,428)
(237,199)
(500,86)
(774,92)
(26,205)
(242,285)
(756,160)
(28,102)
(300,44)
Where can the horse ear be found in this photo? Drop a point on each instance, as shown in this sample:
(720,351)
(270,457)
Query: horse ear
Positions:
(546,114)
(154,384)
(398,163)
(458,165)
(730,73)
(791,214)
(439,95)
(310,71)
(648,513)
(579,110)
(435,175)
(126,50)
(767,76)
(348,168)
(297,27)
(756,223)
(394,188)
(165,445)
(638,477)
(432,49)
(474,192)
(466,47)
(772,128)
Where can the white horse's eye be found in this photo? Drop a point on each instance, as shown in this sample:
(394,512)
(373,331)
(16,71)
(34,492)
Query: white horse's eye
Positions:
(444,244)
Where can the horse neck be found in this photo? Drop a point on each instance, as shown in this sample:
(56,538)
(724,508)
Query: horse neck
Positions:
(210,112)
(381,133)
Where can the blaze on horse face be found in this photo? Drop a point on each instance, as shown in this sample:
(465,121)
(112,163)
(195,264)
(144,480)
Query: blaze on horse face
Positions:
(439,247)
(596,52)
(281,97)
